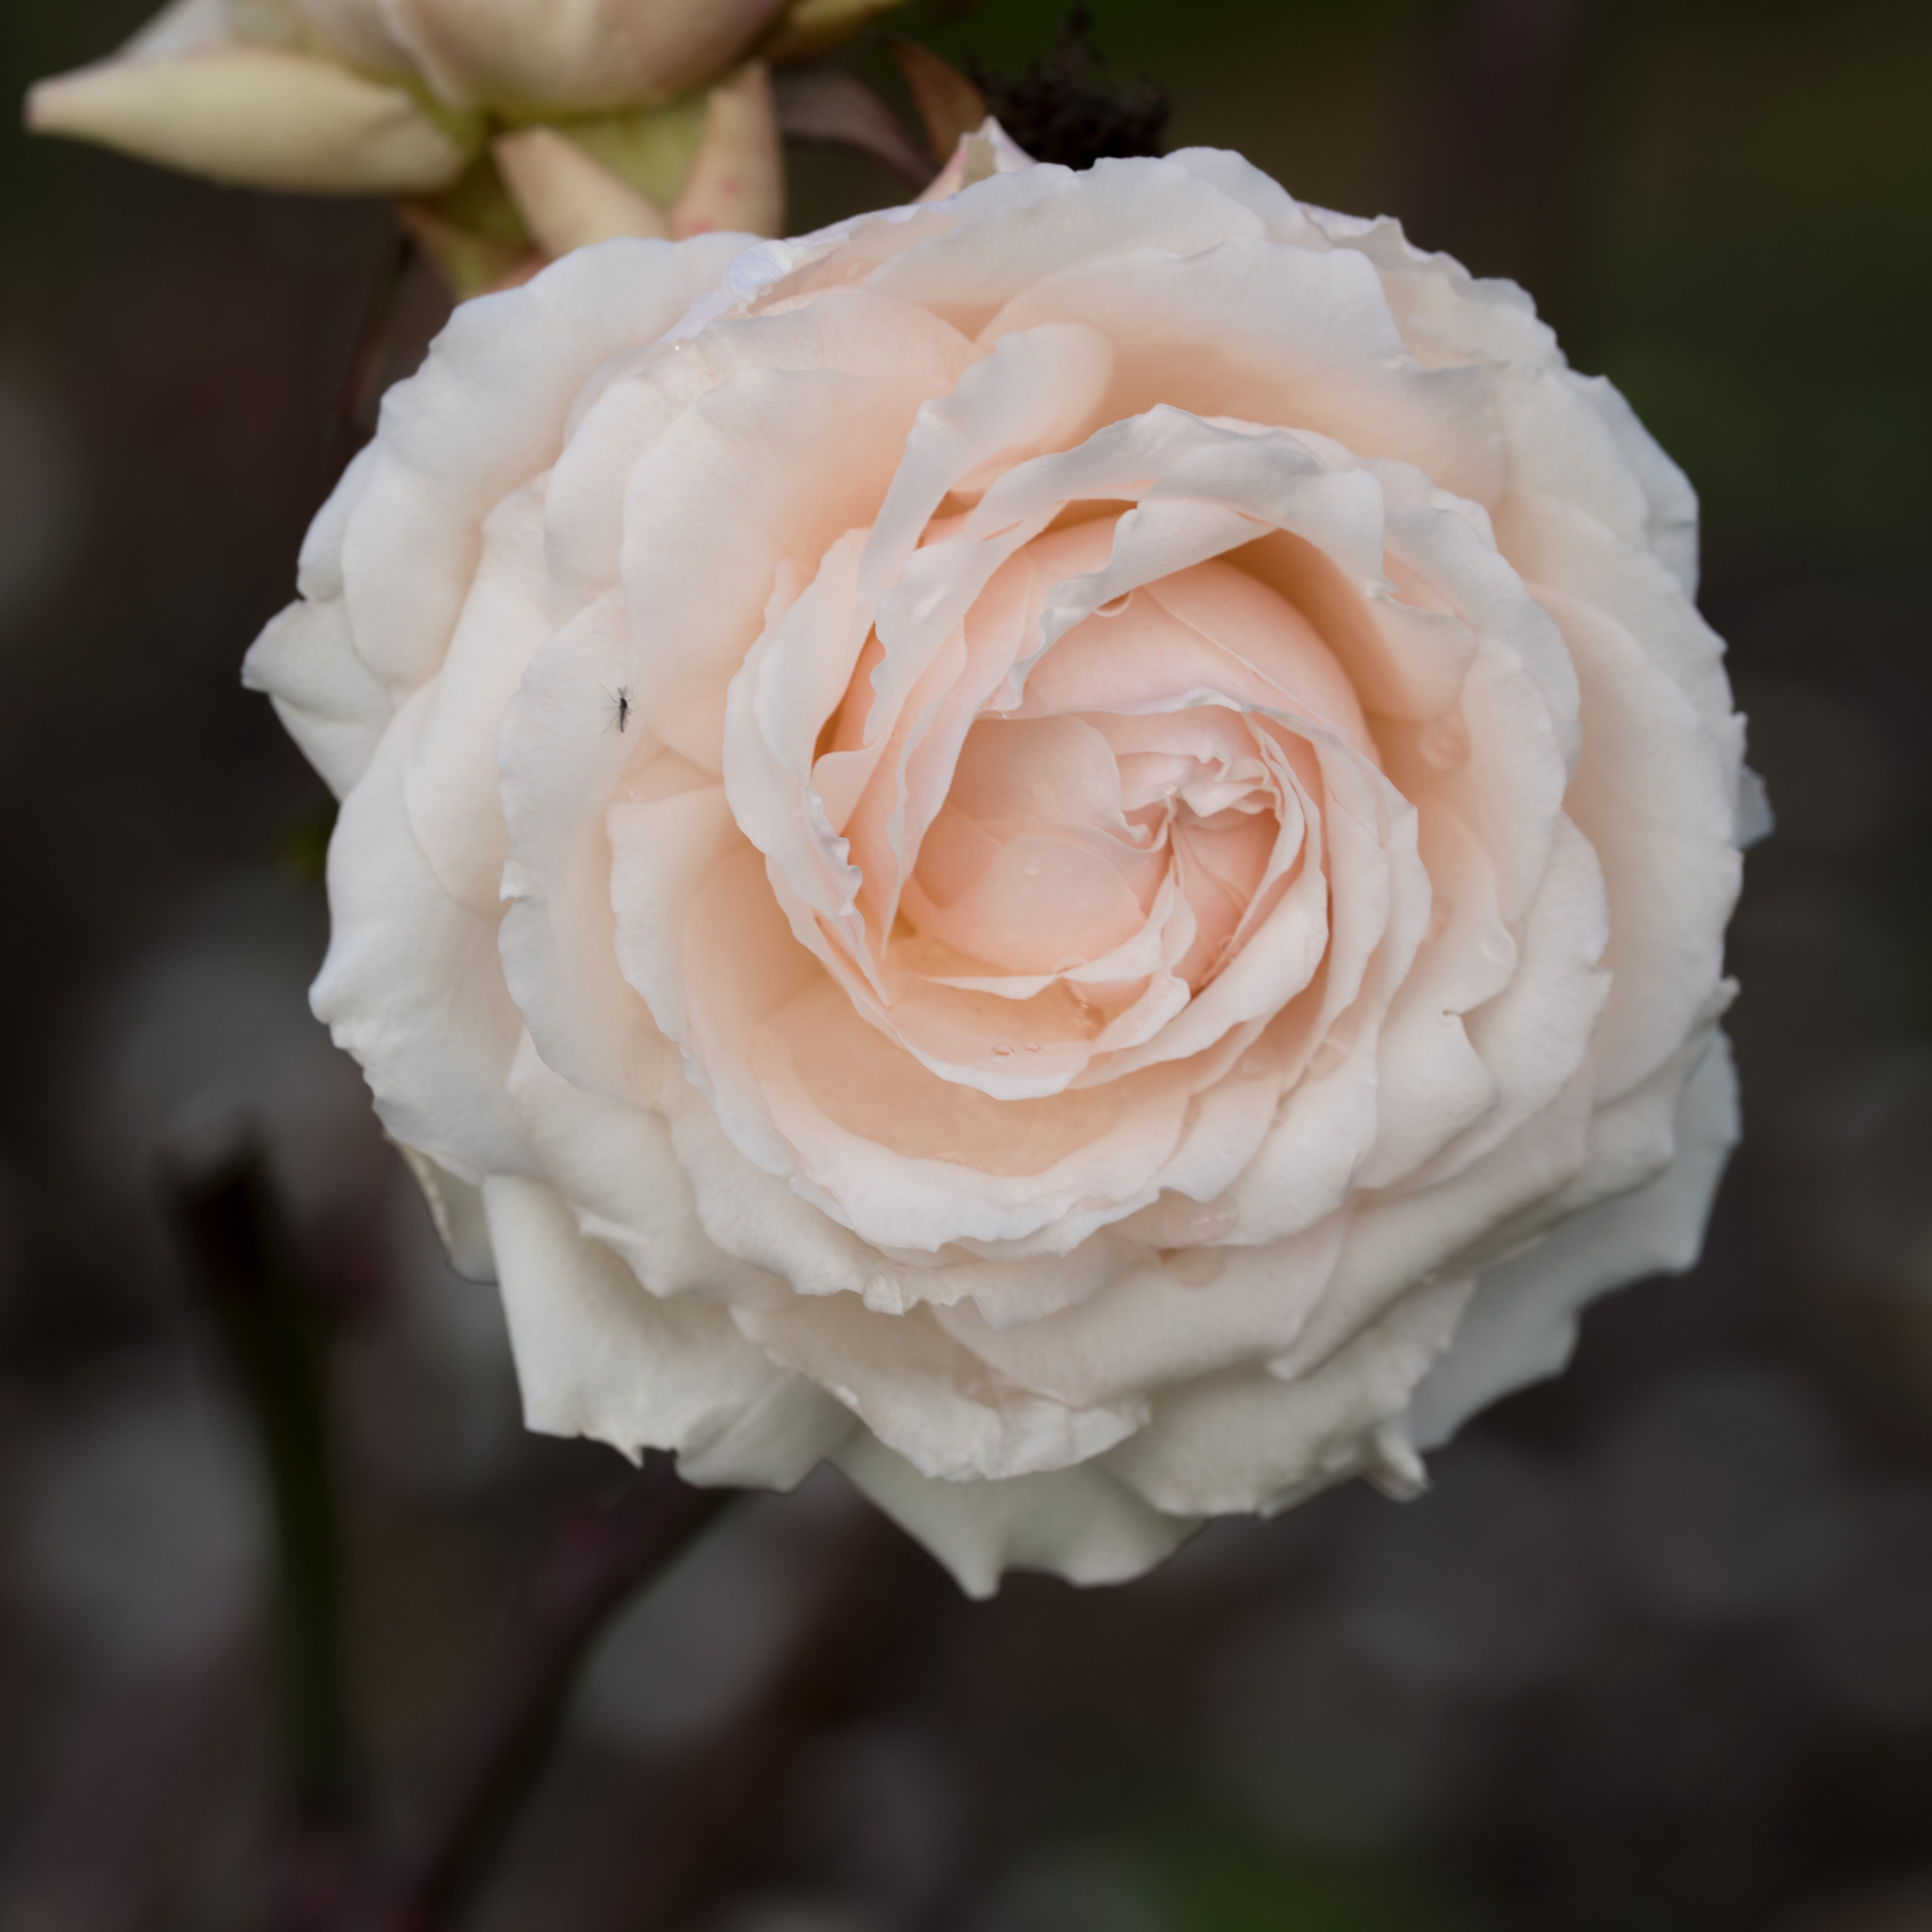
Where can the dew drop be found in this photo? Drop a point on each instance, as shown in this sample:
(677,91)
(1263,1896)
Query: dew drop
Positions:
(1033,1047)
(1003,1052)
(1196,1268)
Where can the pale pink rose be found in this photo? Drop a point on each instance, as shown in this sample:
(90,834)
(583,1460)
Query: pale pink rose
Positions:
(1069,846)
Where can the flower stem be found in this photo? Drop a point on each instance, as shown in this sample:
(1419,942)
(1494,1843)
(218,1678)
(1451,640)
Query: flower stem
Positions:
(224,1201)
(593,1563)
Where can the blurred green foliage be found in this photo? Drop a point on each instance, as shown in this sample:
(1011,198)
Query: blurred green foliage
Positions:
(1209,1875)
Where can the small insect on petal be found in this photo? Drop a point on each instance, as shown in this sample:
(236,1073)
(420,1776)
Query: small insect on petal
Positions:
(619,702)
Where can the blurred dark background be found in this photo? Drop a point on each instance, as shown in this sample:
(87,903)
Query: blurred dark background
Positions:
(1655,1652)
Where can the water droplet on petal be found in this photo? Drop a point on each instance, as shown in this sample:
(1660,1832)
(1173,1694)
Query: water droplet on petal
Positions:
(1033,1047)
(1004,1052)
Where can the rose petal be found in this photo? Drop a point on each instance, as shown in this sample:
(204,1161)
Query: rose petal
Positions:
(450,783)
(597,1357)
(483,414)
(1653,794)
(1268,334)
(1522,1324)
(927,1399)
(1079,1523)
(410,986)
(1247,1440)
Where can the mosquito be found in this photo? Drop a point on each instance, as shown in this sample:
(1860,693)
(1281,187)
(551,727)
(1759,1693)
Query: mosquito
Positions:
(619,701)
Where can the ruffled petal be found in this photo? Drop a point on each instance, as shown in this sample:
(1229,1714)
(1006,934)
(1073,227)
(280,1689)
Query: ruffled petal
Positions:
(485,414)
(597,1357)
(411,987)
(1263,333)
(1249,1441)
(1522,1324)
(1080,1524)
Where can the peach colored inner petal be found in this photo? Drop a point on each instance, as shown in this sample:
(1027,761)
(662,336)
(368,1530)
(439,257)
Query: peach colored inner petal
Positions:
(1031,864)
(867,1085)
(1060,833)
(1118,835)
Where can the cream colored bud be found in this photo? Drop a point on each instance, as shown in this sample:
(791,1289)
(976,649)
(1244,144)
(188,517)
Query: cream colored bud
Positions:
(737,179)
(359,30)
(566,199)
(583,54)
(257,116)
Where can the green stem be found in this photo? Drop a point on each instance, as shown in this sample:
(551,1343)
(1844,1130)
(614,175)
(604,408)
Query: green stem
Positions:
(267,1313)
(592,1566)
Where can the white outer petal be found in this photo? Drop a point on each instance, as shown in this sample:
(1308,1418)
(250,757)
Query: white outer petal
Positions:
(411,987)
(1081,1524)
(1522,1324)
(1249,1441)
(597,1355)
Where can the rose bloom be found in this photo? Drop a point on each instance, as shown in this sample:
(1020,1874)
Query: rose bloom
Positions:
(1069,847)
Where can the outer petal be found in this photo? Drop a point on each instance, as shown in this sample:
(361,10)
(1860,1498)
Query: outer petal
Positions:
(451,780)
(927,1398)
(1264,334)
(326,696)
(1522,1324)
(486,414)
(411,987)
(1656,795)
(1438,305)
(596,1355)
(626,1190)
(965,258)
(1081,1524)
(1249,1441)
(558,756)
(334,705)
(1150,1328)
(773,463)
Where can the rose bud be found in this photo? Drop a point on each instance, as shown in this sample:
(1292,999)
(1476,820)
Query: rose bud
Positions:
(666,131)
(1070,846)
(188,92)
